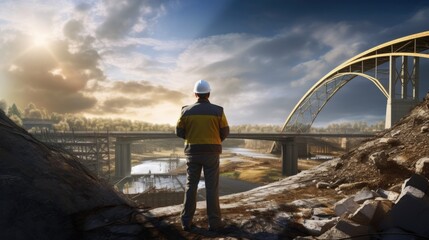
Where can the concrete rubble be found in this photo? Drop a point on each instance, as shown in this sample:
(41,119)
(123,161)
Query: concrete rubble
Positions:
(382,214)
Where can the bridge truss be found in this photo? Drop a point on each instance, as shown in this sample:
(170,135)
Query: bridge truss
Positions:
(91,148)
(395,63)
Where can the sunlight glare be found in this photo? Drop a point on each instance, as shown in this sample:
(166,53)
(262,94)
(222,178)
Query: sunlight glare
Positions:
(40,40)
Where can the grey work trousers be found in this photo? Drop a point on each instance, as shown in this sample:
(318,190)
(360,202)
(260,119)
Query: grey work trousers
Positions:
(210,165)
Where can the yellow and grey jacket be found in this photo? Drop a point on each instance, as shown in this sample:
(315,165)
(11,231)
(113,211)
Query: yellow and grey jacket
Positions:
(203,126)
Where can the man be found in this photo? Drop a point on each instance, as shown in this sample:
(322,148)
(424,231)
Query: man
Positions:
(203,126)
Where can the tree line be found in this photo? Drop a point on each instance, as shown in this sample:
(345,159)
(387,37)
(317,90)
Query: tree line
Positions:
(78,122)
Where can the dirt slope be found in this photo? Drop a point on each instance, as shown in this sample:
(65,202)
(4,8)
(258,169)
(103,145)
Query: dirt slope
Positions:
(386,160)
(45,193)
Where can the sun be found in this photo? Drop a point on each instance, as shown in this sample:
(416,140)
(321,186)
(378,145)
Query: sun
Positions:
(40,40)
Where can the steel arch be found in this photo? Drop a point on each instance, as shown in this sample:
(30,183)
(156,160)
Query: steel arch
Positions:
(305,112)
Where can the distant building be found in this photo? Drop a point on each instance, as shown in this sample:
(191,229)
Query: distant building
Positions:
(29,123)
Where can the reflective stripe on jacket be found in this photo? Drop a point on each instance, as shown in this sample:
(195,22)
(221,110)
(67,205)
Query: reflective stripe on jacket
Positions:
(203,126)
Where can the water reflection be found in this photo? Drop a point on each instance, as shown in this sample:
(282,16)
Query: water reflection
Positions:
(154,174)
(156,166)
(250,153)
(146,183)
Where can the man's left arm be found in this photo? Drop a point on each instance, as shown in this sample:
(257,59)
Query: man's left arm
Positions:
(224,128)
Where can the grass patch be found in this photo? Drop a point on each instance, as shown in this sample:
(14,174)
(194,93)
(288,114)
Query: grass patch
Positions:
(232,174)
(273,175)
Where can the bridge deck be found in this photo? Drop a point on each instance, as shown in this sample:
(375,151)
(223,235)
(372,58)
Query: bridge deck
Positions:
(132,136)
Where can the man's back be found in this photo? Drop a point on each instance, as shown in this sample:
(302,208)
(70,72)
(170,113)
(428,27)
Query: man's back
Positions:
(203,126)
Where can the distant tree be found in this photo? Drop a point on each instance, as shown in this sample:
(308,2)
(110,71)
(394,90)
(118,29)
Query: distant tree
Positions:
(30,106)
(14,110)
(56,117)
(79,124)
(62,126)
(16,119)
(350,127)
(35,113)
(3,105)
(69,121)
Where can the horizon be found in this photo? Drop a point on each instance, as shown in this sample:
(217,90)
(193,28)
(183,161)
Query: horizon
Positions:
(58,119)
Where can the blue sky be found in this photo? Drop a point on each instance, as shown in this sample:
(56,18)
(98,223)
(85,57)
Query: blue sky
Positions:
(139,59)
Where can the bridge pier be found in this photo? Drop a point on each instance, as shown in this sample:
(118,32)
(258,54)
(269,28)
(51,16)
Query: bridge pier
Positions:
(122,158)
(289,156)
(405,80)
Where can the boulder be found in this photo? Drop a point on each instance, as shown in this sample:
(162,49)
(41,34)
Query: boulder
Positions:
(364,214)
(390,195)
(389,141)
(322,185)
(364,194)
(348,186)
(383,208)
(348,230)
(379,159)
(410,190)
(372,212)
(395,133)
(318,226)
(345,206)
(323,212)
(422,166)
(411,214)
(417,181)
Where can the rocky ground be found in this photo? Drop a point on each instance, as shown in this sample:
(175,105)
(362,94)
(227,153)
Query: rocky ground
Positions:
(286,209)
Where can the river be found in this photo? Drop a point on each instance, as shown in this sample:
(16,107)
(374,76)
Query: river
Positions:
(153,174)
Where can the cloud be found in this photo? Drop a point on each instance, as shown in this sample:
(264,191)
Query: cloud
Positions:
(155,92)
(155,44)
(68,73)
(73,29)
(51,75)
(128,16)
(100,51)
(271,72)
(83,7)
(253,58)
(128,95)
(123,104)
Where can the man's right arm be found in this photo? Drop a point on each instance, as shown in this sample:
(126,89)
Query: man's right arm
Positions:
(180,132)
(180,127)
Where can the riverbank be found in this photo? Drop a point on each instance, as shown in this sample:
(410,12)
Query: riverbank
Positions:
(261,171)
(242,164)
(253,166)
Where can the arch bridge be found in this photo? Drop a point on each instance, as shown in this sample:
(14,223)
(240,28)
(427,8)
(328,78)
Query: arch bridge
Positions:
(397,62)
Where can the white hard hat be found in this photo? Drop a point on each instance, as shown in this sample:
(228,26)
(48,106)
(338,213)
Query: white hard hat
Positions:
(202,86)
